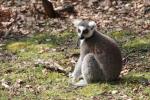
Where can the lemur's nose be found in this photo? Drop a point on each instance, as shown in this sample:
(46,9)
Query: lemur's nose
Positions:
(81,37)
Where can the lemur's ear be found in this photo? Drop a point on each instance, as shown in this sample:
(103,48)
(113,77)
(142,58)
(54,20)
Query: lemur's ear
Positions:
(92,24)
(76,22)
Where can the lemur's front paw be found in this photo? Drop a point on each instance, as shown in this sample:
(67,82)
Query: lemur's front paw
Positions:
(72,78)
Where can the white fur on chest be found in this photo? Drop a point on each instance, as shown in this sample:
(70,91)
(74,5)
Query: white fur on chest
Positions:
(81,42)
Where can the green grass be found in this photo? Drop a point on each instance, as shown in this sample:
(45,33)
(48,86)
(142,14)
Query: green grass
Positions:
(138,43)
(39,85)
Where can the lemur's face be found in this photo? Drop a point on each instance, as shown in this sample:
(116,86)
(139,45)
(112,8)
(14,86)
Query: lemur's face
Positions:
(84,29)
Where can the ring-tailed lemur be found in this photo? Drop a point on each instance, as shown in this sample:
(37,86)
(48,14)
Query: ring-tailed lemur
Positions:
(100,58)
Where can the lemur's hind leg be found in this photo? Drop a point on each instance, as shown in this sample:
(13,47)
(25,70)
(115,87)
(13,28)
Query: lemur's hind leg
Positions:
(90,70)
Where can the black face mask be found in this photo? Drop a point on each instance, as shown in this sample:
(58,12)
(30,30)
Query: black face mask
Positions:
(84,32)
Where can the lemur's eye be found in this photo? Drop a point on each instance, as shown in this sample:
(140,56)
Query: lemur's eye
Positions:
(85,31)
(79,30)
(92,28)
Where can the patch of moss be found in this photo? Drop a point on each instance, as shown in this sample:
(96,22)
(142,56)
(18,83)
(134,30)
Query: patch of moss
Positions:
(137,44)
(120,35)
(147,91)
(139,74)
(3,94)
(94,89)
(16,46)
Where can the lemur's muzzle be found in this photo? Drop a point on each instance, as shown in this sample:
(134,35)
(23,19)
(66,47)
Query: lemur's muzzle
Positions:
(81,37)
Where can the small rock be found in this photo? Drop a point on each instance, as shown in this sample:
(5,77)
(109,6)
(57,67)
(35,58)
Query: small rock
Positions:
(140,6)
(128,6)
(4,83)
(5,24)
(114,92)
(19,81)
(45,71)
(2,45)
(129,99)
(135,90)
(71,16)
(106,8)
(124,96)
(123,11)
(114,17)
(111,9)
(28,86)
(48,40)
(53,49)
(73,61)
(114,3)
